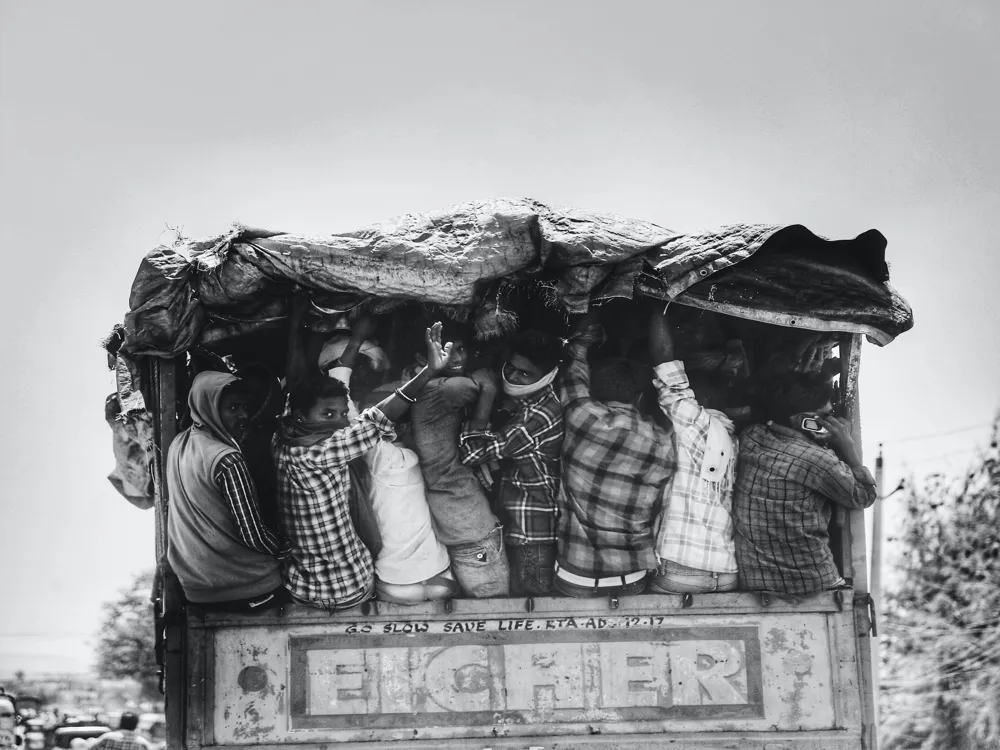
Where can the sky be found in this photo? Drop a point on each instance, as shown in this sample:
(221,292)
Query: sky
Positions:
(118,119)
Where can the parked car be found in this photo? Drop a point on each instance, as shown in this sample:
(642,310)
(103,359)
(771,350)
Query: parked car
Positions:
(63,736)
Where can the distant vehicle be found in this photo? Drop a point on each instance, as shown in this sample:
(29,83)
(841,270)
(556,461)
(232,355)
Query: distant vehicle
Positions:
(34,735)
(63,736)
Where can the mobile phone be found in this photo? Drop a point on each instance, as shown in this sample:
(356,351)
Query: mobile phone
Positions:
(811,424)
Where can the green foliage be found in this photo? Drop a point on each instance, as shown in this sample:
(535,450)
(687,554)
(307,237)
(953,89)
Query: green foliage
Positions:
(941,671)
(126,646)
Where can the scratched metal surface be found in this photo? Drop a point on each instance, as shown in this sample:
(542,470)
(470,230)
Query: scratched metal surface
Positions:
(386,678)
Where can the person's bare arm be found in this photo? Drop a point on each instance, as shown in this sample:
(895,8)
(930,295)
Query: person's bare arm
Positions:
(661,342)
(361,331)
(396,405)
(488,387)
(297,370)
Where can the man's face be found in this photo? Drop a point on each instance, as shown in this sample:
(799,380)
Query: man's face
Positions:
(519,370)
(234,411)
(458,359)
(328,413)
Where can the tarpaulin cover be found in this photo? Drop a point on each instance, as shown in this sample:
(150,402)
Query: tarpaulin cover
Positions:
(132,444)
(193,291)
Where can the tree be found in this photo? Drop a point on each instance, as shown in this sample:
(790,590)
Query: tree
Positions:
(942,665)
(126,647)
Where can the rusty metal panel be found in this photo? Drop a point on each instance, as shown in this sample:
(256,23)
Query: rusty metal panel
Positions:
(390,678)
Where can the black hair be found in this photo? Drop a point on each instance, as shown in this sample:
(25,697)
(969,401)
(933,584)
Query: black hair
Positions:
(709,390)
(129,721)
(539,348)
(793,393)
(452,330)
(304,396)
(614,380)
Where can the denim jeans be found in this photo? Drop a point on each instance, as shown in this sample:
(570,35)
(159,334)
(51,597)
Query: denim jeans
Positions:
(531,568)
(674,578)
(481,567)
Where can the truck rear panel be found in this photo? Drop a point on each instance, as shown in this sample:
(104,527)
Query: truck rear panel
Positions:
(719,671)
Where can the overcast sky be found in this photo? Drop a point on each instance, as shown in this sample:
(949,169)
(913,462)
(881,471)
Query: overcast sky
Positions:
(118,119)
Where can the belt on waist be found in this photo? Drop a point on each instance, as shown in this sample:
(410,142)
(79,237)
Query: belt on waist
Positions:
(622,580)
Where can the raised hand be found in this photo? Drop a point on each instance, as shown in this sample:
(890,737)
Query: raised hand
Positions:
(437,354)
(841,439)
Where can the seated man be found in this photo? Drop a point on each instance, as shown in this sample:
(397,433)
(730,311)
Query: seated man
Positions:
(461,510)
(789,474)
(615,464)
(328,566)
(217,545)
(528,447)
(694,541)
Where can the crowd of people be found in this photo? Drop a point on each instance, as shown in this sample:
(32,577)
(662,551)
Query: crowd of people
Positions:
(549,475)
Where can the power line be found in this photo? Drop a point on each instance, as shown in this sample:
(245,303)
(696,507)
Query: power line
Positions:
(930,435)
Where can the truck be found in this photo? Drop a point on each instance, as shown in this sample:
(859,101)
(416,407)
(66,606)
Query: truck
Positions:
(721,670)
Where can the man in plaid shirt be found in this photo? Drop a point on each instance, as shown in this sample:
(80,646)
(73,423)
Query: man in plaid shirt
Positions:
(615,465)
(123,739)
(694,540)
(789,474)
(528,447)
(329,567)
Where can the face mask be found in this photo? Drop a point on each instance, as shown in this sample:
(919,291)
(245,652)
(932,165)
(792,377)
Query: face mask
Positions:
(521,391)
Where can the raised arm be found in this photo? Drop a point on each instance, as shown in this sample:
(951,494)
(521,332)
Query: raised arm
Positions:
(396,405)
(488,387)
(661,342)
(361,331)
(575,371)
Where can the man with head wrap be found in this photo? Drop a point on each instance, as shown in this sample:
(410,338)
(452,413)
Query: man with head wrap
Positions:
(221,551)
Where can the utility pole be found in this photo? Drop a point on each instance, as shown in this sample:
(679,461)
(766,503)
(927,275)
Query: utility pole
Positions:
(875,577)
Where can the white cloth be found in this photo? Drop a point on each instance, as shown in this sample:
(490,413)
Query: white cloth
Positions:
(411,552)
(523,391)
(335,347)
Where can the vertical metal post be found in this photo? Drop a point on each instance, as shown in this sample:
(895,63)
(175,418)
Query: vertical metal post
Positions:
(875,587)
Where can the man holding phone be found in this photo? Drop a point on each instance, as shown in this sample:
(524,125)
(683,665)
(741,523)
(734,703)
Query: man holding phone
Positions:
(790,472)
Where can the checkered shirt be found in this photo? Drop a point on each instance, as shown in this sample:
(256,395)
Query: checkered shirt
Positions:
(615,465)
(120,739)
(785,489)
(696,525)
(530,443)
(328,563)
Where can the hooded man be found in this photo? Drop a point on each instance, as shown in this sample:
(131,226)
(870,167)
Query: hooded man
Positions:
(218,546)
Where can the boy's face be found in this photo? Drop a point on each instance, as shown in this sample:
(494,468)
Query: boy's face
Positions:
(458,359)
(234,411)
(329,413)
(519,370)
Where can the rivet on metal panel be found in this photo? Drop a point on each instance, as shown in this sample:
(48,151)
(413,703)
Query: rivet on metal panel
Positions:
(448,605)
(613,602)
(838,597)
(529,604)
(765,599)
(687,601)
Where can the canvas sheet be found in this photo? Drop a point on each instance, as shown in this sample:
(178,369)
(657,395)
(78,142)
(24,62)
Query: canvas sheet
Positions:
(192,292)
